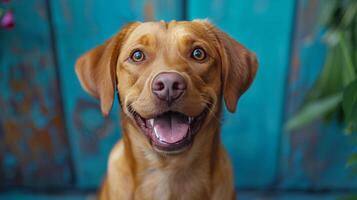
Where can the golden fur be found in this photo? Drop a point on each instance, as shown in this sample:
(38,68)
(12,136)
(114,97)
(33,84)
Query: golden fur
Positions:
(135,169)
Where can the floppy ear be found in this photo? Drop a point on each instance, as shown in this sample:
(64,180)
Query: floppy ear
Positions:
(96,69)
(239,67)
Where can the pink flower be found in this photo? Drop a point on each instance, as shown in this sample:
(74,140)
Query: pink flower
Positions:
(7,20)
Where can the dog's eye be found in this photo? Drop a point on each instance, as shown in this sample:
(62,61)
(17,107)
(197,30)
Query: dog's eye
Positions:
(198,54)
(137,56)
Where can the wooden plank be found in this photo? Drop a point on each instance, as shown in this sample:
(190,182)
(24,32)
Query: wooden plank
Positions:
(33,143)
(34,196)
(315,156)
(252,135)
(271,195)
(81,25)
(241,195)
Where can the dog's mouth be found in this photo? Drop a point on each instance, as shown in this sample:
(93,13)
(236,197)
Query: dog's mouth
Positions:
(170,132)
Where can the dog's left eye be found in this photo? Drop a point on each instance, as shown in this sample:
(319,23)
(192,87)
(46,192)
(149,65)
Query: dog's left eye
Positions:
(198,54)
(137,56)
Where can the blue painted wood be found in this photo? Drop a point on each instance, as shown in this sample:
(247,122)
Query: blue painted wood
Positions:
(241,195)
(80,26)
(33,145)
(32,135)
(313,157)
(257,195)
(32,196)
(252,135)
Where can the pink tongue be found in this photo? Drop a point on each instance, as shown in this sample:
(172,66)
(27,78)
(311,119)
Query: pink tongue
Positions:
(171,127)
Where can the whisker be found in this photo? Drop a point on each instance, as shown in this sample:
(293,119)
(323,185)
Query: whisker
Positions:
(209,108)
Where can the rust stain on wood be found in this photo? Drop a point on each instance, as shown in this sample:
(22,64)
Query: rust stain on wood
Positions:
(33,139)
(149,12)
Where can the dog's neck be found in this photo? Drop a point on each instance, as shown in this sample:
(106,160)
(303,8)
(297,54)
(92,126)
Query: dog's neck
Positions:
(155,171)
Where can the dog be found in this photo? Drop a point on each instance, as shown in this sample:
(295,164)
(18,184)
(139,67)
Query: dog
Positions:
(171,79)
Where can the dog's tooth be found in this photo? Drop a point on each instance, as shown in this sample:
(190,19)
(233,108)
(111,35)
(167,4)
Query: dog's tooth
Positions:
(151,121)
(157,135)
(190,119)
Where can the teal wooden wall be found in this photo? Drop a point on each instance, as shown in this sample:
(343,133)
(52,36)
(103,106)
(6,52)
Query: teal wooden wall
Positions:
(53,137)
(252,135)
(79,26)
(33,140)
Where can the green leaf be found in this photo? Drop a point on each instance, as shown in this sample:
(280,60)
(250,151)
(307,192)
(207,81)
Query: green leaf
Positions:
(346,60)
(352,160)
(327,11)
(349,14)
(313,111)
(330,79)
(348,197)
(349,103)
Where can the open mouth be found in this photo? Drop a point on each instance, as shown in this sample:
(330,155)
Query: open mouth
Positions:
(170,132)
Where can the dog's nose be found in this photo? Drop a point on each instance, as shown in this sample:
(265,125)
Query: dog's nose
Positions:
(168,86)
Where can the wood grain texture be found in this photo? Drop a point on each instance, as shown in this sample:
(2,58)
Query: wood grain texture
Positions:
(31,196)
(252,135)
(256,195)
(242,195)
(33,145)
(315,156)
(80,26)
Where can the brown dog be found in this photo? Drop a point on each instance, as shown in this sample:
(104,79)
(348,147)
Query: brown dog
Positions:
(171,78)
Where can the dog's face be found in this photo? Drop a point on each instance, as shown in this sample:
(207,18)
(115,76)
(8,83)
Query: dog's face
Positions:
(171,78)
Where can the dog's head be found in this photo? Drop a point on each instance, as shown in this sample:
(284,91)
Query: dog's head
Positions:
(171,78)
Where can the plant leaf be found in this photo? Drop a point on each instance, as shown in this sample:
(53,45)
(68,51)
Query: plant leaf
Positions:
(313,111)
(330,79)
(349,103)
(352,160)
(348,197)
(327,11)
(349,14)
(346,60)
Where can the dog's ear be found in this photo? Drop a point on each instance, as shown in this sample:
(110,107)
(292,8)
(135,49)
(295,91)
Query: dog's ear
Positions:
(96,69)
(239,66)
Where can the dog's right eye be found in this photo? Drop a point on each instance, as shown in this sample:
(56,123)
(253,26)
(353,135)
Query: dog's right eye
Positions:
(198,54)
(137,56)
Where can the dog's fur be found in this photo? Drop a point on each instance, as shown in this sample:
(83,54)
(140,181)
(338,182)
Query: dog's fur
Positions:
(135,169)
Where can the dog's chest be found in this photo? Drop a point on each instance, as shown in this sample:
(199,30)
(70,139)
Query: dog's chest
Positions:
(168,185)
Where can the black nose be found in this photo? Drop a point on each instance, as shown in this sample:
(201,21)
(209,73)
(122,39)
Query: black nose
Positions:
(168,86)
